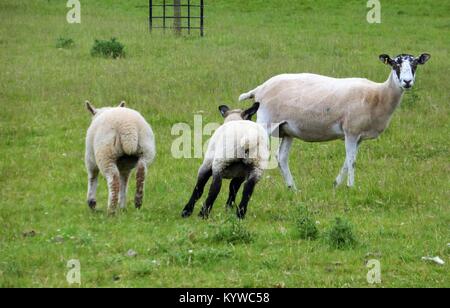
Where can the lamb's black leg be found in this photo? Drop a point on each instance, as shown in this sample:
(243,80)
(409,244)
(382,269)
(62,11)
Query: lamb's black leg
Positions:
(203,178)
(212,196)
(235,185)
(249,188)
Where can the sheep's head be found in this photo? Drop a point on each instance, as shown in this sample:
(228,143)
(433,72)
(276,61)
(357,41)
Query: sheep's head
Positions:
(404,68)
(238,114)
(96,111)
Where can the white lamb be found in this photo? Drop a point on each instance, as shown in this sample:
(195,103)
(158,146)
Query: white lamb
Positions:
(238,150)
(118,140)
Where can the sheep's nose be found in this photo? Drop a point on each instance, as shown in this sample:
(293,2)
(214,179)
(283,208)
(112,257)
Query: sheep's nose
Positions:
(407,83)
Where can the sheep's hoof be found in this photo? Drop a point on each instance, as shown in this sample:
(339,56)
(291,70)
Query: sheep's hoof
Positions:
(186,214)
(138,203)
(293,188)
(204,214)
(241,214)
(92,203)
(336,184)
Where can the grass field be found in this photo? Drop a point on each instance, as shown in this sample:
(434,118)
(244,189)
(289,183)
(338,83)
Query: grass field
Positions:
(399,208)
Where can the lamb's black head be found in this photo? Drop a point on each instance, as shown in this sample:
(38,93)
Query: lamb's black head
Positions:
(404,67)
(238,114)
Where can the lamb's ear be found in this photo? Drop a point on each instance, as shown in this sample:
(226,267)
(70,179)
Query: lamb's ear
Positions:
(386,59)
(247,115)
(90,108)
(122,104)
(423,58)
(224,110)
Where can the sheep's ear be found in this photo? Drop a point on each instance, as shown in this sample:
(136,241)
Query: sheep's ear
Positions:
(247,115)
(90,108)
(386,59)
(122,104)
(423,58)
(224,110)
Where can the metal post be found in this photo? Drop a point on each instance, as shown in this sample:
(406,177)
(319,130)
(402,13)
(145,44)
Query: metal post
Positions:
(150,15)
(164,15)
(202,23)
(189,16)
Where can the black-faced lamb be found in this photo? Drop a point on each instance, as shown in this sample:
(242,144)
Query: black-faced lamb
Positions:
(238,150)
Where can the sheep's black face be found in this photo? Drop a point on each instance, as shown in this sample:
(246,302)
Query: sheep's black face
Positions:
(405,67)
(238,114)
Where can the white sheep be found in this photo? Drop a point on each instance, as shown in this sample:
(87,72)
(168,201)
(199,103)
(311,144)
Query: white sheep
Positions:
(238,150)
(118,140)
(316,108)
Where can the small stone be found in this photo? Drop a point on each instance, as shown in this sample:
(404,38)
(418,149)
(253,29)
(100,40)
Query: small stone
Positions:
(132,254)
(58,239)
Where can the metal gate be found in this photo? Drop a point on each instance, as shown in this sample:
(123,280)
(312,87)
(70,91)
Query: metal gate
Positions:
(162,15)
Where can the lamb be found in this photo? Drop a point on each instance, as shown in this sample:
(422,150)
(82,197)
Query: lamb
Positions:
(316,108)
(238,150)
(118,140)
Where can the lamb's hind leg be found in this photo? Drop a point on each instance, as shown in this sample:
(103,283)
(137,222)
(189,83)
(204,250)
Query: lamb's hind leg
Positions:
(112,175)
(203,176)
(212,196)
(249,188)
(141,172)
(124,177)
(235,185)
(92,186)
(283,159)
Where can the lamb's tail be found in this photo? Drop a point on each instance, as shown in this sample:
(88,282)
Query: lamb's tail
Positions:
(248,95)
(129,139)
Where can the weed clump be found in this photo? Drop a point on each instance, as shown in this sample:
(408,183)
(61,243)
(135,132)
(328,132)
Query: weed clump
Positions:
(233,232)
(307,228)
(306,225)
(341,234)
(108,49)
(64,43)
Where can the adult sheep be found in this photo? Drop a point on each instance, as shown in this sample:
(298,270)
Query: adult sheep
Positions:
(118,140)
(316,108)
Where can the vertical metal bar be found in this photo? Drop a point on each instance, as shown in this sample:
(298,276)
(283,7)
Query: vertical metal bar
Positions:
(150,15)
(202,22)
(189,16)
(164,15)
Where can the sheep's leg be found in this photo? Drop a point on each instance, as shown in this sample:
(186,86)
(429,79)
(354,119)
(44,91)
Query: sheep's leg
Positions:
(351,146)
(141,172)
(283,159)
(342,174)
(112,175)
(124,177)
(235,185)
(348,170)
(249,188)
(203,178)
(92,187)
(212,196)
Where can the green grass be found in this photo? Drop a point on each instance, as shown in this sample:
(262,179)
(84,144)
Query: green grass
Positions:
(399,209)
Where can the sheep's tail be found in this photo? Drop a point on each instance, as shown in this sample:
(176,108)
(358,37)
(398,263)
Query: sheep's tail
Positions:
(129,139)
(248,95)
